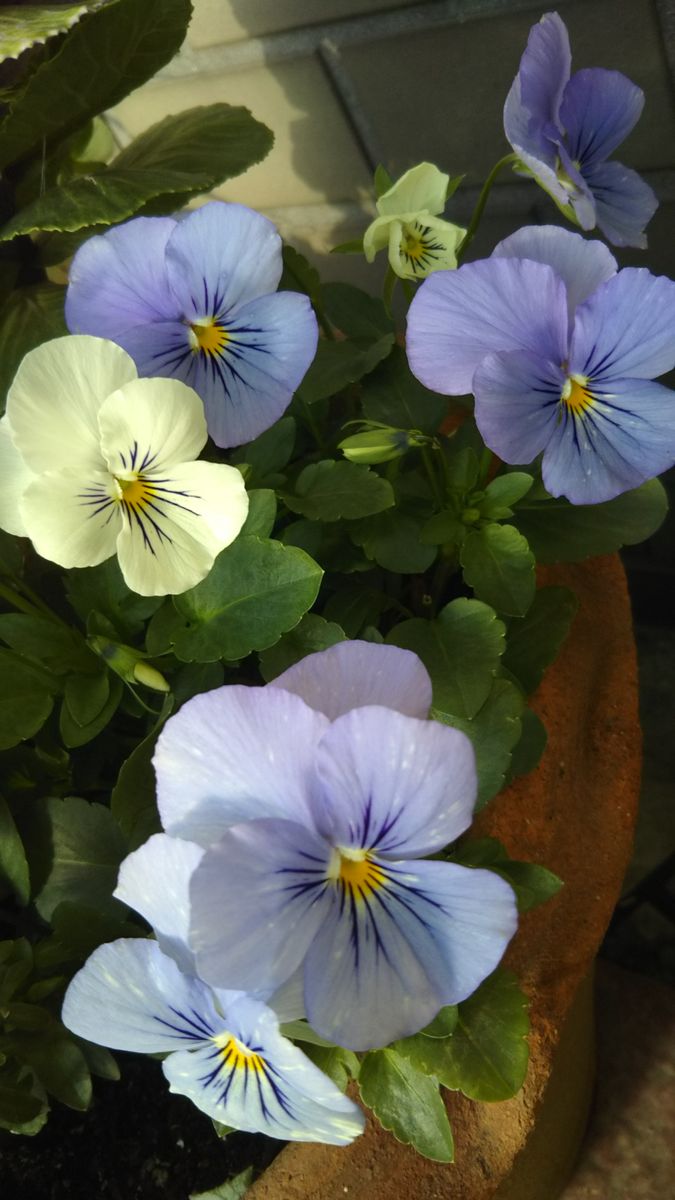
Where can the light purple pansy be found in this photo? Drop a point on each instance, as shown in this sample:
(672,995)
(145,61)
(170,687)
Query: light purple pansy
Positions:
(315,798)
(196,300)
(560,351)
(224,1049)
(564,127)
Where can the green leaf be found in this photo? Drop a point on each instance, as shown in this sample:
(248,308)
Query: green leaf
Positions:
(78,930)
(494,731)
(353,312)
(382,180)
(182,155)
(504,491)
(311,634)
(392,540)
(533,884)
(22,27)
(269,452)
(262,512)
(132,803)
(59,1064)
(48,642)
(233,1189)
(10,552)
(77,848)
(407,1103)
(561,532)
(499,565)
(13,865)
(99,1060)
(463,468)
(354,606)
(533,641)
(71,731)
(338,1064)
(328,491)
(461,650)
(339,364)
(107,54)
(256,590)
(530,746)
(23,1106)
(26,699)
(102,589)
(195,678)
(299,275)
(86,696)
(394,396)
(443,1024)
(31,316)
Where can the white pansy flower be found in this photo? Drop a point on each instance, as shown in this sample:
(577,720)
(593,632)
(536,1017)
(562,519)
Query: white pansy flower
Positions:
(419,241)
(99,462)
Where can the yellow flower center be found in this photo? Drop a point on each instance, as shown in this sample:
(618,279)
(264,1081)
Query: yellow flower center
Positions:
(356,872)
(575,395)
(209,337)
(135,492)
(236,1056)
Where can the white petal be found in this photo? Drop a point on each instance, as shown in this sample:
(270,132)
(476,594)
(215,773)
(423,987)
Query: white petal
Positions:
(172,535)
(422,189)
(14,479)
(155,881)
(72,519)
(376,237)
(54,400)
(151,424)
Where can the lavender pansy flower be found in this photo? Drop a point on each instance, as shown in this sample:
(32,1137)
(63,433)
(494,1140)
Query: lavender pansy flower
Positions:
(224,1048)
(560,351)
(196,300)
(316,798)
(564,127)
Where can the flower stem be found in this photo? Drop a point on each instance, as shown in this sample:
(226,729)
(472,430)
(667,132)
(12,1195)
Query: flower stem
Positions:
(436,488)
(506,161)
(7,593)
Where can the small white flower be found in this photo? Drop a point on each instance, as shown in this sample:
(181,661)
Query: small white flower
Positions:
(99,462)
(419,241)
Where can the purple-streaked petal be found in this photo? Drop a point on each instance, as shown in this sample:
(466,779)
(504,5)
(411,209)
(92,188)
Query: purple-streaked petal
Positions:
(118,280)
(599,109)
(288,1000)
(578,194)
(257,900)
(154,880)
(393,784)
(582,265)
(517,402)
(131,996)
(497,304)
(624,203)
(355,673)
(161,349)
(365,985)
(624,438)
(220,257)
(545,69)
(252,1078)
(249,383)
(626,329)
(526,134)
(235,754)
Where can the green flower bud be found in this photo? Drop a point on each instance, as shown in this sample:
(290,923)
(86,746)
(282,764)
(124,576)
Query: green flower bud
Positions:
(376,445)
(129,664)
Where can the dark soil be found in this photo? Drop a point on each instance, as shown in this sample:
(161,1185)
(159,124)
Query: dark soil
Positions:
(136,1142)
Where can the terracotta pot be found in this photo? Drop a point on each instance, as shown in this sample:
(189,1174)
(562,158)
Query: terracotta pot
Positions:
(574,814)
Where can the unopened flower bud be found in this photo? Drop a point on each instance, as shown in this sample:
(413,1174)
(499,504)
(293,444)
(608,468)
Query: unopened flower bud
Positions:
(129,664)
(376,445)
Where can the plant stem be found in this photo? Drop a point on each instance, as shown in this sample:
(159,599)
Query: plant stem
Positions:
(7,593)
(314,428)
(433,478)
(506,161)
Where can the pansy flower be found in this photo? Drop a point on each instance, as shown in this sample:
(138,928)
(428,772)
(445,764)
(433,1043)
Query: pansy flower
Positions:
(564,127)
(316,799)
(196,300)
(560,351)
(407,224)
(99,462)
(224,1049)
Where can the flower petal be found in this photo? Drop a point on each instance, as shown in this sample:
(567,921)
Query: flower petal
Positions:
(421,189)
(497,304)
(118,280)
(266,882)
(131,996)
(71,520)
(582,265)
(235,754)
(154,880)
(626,329)
(376,237)
(150,425)
(624,203)
(532,106)
(14,479)
(423,244)
(599,108)
(249,383)
(517,403)
(625,437)
(393,784)
(261,1082)
(54,401)
(220,257)
(354,673)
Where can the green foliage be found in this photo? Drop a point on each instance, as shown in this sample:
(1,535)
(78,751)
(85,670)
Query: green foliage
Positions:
(494,731)
(339,364)
(132,802)
(22,27)
(234,1189)
(392,540)
(561,532)
(394,396)
(268,454)
(533,641)
(338,1064)
(75,849)
(530,745)
(13,864)
(532,883)
(26,698)
(311,634)
(407,1102)
(360,317)
(499,565)
(31,316)
(102,590)
(329,490)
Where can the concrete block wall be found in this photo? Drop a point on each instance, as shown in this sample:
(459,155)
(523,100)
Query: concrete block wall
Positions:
(345,84)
